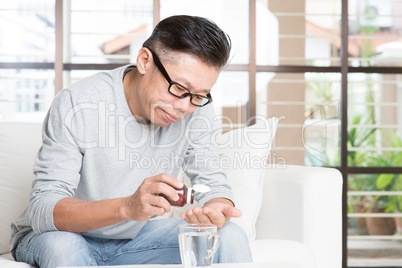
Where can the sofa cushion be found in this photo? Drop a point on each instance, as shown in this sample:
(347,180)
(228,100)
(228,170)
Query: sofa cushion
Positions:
(247,151)
(278,250)
(19,143)
(7,261)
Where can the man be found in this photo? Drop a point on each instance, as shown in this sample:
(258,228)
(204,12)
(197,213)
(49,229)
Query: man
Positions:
(114,142)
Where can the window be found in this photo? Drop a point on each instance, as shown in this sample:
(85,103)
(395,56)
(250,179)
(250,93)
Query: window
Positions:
(336,93)
(27,54)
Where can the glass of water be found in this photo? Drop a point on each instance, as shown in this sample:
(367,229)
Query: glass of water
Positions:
(198,244)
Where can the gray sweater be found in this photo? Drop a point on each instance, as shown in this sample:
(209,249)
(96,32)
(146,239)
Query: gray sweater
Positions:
(94,149)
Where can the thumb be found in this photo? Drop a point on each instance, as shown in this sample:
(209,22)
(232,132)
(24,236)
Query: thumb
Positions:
(233,212)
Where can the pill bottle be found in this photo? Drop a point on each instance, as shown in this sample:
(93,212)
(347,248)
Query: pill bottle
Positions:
(186,194)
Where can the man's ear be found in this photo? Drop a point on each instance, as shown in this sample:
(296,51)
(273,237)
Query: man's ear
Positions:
(143,60)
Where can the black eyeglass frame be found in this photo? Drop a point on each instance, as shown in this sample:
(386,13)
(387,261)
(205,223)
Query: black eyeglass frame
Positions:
(162,69)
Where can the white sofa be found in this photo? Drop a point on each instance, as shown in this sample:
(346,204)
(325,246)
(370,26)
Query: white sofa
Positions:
(299,220)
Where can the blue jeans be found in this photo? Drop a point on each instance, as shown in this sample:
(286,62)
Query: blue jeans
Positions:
(156,243)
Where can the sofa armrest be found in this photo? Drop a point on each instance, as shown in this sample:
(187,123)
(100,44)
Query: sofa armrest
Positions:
(304,204)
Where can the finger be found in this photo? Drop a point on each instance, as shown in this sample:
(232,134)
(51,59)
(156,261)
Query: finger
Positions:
(216,217)
(148,211)
(158,188)
(166,178)
(183,215)
(157,211)
(160,202)
(232,212)
(192,217)
(202,217)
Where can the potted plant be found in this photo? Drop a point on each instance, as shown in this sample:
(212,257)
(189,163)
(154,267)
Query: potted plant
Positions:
(359,137)
(392,181)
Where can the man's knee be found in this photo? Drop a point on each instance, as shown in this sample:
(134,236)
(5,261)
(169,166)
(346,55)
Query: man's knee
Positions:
(234,246)
(232,232)
(56,242)
(61,249)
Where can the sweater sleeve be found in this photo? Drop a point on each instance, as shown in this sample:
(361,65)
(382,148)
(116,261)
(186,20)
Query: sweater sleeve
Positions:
(203,162)
(57,164)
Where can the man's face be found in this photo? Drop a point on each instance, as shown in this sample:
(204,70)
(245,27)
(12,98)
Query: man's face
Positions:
(161,107)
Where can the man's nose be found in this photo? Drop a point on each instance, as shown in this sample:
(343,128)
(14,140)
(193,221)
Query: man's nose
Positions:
(183,104)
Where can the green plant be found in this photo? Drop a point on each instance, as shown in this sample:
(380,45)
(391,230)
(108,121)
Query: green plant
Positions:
(322,90)
(323,95)
(358,137)
(388,181)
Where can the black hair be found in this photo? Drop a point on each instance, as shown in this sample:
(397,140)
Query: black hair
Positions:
(194,35)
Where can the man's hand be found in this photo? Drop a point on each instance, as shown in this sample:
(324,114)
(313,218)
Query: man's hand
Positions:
(75,215)
(146,202)
(217,211)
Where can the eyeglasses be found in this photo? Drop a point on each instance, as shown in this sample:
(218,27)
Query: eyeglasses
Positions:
(178,90)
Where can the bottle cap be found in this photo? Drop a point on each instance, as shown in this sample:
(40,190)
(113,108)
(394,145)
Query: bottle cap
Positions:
(201,188)
(189,194)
